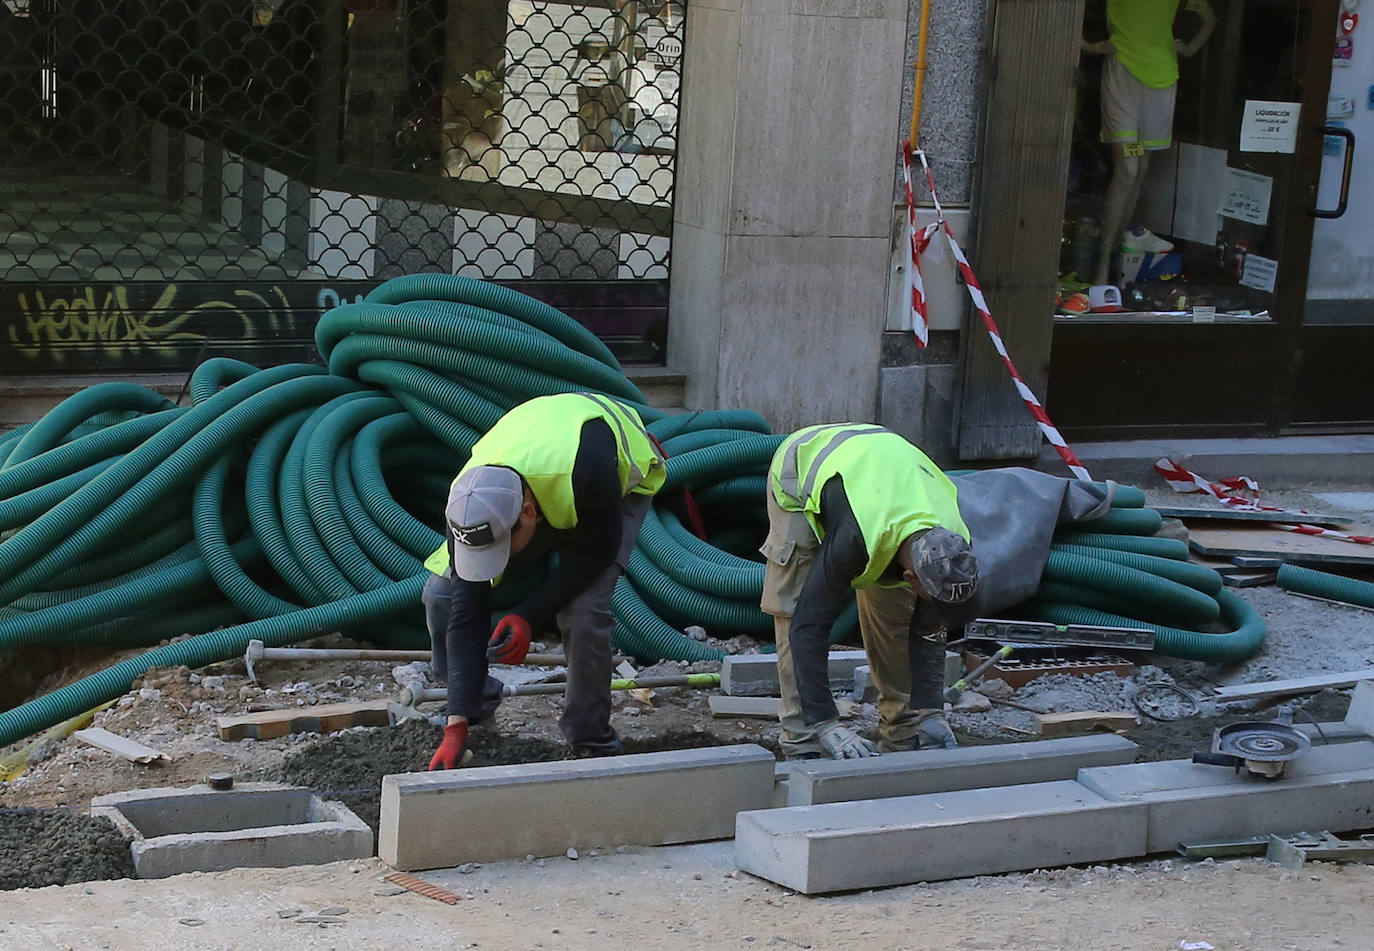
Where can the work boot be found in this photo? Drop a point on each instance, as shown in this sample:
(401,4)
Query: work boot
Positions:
(907,745)
(933,732)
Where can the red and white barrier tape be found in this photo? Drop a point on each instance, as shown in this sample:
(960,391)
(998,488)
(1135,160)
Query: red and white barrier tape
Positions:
(919,239)
(1182,479)
(920,325)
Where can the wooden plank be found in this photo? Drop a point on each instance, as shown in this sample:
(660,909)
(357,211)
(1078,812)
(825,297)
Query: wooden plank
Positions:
(1242,579)
(1222,513)
(323,718)
(725,707)
(131,750)
(1276,543)
(1294,686)
(1087,721)
(1027,132)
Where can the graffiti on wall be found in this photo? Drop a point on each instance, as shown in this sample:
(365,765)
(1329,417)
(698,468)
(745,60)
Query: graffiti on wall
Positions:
(158,325)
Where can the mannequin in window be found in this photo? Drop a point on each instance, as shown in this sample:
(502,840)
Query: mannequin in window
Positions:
(1139,81)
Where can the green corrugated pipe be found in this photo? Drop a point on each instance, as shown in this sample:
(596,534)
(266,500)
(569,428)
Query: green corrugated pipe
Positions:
(204,649)
(497,342)
(642,633)
(324,458)
(1323,584)
(49,432)
(1244,641)
(1198,577)
(1148,589)
(503,300)
(741,580)
(1159,547)
(1124,521)
(678,602)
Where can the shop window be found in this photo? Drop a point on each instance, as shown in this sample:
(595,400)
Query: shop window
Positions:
(1176,202)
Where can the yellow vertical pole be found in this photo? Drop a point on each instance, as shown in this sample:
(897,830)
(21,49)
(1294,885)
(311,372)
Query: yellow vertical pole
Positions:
(920,73)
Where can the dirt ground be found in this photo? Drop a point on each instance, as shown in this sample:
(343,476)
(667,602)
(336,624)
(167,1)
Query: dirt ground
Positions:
(674,898)
(690,897)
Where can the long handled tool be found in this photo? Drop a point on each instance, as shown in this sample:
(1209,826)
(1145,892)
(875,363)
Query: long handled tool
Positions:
(411,697)
(257,653)
(956,690)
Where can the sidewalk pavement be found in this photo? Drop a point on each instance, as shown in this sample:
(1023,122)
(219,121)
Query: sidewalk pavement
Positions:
(1279,460)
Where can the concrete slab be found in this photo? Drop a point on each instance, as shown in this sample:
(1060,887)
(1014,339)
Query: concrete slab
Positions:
(1358,501)
(1338,732)
(252,825)
(812,782)
(503,812)
(866,692)
(765,707)
(1331,788)
(1360,716)
(878,842)
(756,675)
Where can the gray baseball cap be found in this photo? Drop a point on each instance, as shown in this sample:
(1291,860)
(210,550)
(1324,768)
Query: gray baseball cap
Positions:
(483,506)
(944,564)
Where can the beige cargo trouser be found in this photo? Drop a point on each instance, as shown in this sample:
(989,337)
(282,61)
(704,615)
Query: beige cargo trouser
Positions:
(884,619)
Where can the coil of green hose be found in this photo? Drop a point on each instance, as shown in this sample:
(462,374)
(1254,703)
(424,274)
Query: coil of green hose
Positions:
(305,499)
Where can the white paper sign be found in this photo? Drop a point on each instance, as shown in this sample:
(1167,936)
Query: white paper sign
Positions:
(1269,126)
(1260,273)
(1245,196)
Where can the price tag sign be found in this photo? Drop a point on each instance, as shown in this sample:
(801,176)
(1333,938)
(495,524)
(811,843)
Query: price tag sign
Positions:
(1269,126)
(1204,315)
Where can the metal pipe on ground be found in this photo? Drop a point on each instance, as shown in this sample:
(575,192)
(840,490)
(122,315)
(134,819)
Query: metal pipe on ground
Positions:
(257,653)
(411,697)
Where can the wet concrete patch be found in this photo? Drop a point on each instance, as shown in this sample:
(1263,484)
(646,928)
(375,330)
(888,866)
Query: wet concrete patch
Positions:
(58,847)
(349,766)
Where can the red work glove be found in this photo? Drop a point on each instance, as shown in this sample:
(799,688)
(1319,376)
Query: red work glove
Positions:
(510,642)
(450,752)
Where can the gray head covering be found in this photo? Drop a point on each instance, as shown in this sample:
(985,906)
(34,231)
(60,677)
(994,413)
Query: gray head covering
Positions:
(483,506)
(944,564)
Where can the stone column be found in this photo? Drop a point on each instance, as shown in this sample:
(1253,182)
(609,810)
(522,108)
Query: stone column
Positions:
(789,133)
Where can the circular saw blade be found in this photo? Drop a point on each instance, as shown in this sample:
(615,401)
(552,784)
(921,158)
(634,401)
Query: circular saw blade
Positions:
(1262,742)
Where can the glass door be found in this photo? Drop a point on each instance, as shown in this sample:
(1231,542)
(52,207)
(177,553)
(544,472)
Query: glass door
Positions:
(1180,304)
(1332,385)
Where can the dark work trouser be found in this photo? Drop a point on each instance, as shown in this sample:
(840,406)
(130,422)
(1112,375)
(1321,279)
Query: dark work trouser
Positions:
(437,598)
(586,623)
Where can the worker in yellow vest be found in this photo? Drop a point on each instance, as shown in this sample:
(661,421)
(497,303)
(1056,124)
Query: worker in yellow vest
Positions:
(855,506)
(574,472)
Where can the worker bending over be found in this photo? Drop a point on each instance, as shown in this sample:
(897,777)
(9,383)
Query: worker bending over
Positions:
(576,473)
(854,505)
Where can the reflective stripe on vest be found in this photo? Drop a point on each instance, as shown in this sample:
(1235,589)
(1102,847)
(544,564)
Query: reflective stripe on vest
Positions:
(892,487)
(787,479)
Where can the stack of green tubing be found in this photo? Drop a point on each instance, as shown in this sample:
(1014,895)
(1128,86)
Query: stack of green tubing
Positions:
(285,503)
(1115,571)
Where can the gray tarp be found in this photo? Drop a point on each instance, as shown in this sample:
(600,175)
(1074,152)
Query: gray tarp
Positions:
(1012,515)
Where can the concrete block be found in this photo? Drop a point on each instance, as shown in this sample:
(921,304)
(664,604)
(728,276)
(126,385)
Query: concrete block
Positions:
(725,707)
(1360,716)
(865,692)
(812,782)
(864,689)
(756,675)
(252,825)
(877,842)
(954,667)
(503,812)
(1338,732)
(1330,788)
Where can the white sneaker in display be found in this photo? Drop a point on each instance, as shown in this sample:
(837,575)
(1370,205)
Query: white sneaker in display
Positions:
(1144,241)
